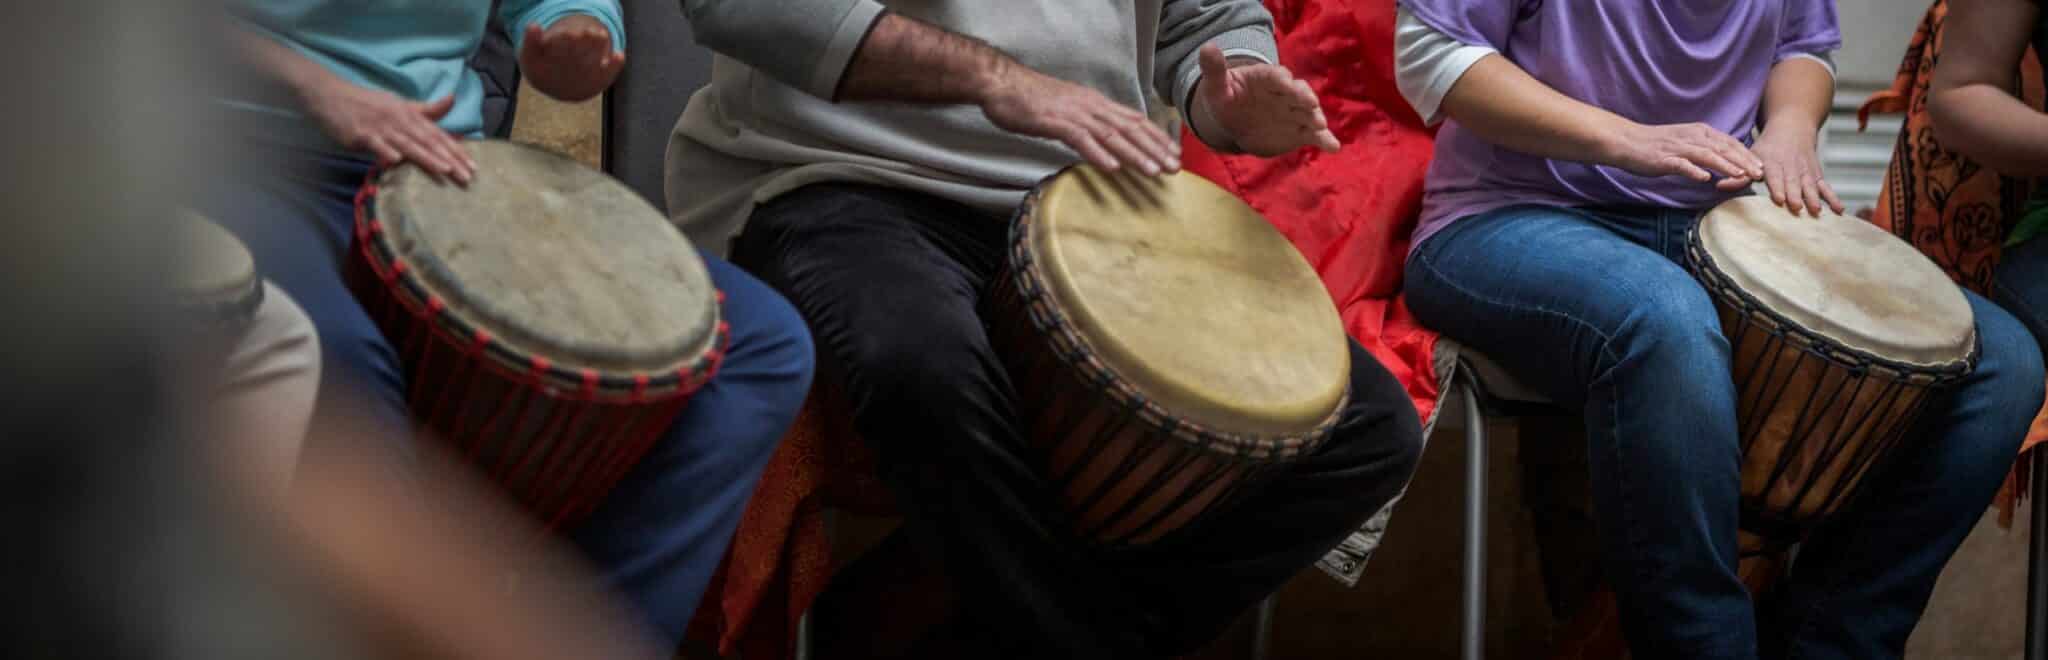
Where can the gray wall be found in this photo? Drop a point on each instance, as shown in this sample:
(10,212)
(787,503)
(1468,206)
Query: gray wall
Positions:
(665,67)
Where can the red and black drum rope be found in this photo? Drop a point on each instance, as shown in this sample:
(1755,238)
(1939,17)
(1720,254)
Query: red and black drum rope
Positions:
(560,470)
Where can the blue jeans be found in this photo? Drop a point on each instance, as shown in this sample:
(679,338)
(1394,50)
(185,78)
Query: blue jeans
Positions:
(1594,308)
(2021,285)
(661,533)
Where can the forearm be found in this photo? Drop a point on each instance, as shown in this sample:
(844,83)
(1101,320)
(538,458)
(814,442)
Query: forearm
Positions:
(1992,127)
(1797,97)
(298,73)
(908,61)
(1970,101)
(1503,104)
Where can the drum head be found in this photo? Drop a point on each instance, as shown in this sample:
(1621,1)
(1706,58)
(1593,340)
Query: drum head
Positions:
(216,271)
(1192,297)
(554,258)
(1843,279)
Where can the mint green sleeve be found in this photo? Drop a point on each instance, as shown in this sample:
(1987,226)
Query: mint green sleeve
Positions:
(806,44)
(518,14)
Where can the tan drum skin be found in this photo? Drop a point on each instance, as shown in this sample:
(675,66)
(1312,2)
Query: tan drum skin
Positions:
(1200,316)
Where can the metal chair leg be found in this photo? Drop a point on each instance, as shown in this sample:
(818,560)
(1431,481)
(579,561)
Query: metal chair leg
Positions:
(2037,563)
(1262,633)
(1472,635)
(803,637)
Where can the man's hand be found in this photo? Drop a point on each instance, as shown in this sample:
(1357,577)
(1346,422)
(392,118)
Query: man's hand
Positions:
(1694,151)
(1265,110)
(1792,172)
(391,128)
(1106,133)
(572,60)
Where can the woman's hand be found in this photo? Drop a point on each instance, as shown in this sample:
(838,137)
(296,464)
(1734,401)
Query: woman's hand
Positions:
(393,129)
(1792,172)
(1694,151)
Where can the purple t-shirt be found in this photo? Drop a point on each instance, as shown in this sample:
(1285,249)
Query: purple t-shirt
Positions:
(1651,61)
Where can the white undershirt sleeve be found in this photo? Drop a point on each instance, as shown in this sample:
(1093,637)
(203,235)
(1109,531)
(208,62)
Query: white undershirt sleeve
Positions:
(1427,63)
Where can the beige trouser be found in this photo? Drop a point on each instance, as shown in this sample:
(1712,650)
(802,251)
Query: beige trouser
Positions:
(266,391)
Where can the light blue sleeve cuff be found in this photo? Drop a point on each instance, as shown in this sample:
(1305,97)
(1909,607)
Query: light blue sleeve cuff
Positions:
(546,14)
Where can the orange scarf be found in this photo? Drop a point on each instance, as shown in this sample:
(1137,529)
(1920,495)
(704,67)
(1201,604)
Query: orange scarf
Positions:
(1955,210)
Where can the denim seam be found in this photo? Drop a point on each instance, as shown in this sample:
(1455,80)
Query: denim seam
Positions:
(1613,407)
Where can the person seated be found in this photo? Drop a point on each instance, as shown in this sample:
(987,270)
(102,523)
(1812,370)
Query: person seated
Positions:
(337,88)
(1975,112)
(1580,142)
(868,157)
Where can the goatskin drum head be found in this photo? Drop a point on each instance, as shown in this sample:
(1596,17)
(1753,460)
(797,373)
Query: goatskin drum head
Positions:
(1193,298)
(1843,279)
(554,258)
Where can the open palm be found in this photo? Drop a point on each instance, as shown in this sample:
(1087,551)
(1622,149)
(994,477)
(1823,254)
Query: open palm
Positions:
(1264,107)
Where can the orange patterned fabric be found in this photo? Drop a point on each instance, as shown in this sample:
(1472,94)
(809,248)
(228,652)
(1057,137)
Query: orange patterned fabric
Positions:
(1953,209)
(781,557)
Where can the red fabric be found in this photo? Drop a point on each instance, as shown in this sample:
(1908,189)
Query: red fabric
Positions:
(1350,213)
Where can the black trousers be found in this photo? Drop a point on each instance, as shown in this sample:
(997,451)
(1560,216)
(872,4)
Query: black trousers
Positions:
(889,281)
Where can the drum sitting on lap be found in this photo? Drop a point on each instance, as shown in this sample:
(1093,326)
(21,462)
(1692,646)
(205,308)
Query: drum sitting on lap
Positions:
(1169,347)
(552,323)
(1840,335)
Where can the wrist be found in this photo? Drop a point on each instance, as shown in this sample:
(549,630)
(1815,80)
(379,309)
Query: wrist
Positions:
(1787,132)
(1613,141)
(990,80)
(1201,119)
(312,84)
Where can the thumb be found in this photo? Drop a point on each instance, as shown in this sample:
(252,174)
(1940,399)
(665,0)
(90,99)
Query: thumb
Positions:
(1214,68)
(438,109)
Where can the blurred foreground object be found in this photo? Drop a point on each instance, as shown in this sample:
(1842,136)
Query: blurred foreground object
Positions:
(126,540)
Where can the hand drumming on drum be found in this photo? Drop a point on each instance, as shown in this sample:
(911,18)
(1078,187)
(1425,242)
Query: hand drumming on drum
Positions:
(1244,103)
(1785,155)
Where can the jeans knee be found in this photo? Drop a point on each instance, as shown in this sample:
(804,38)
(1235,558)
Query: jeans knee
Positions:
(778,345)
(2008,385)
(1676,326)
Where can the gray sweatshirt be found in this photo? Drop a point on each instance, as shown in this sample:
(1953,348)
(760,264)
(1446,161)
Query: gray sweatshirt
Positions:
(766,125)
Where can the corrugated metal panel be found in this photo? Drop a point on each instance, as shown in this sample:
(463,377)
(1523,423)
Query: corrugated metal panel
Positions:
(1856,161)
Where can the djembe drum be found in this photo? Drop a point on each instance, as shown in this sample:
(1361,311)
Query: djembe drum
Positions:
(1840,334)
(214,293)
(551,322)
(215,289)
(1169,347)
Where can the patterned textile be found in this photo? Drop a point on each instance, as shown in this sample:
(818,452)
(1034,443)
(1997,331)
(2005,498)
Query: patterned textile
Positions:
(1953,209)
(1350,214)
